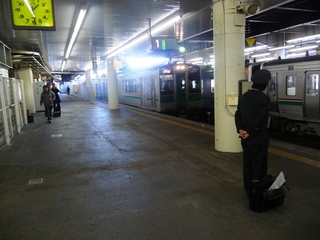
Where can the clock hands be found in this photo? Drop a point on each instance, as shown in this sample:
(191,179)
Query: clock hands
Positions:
(34,8)
(34,21)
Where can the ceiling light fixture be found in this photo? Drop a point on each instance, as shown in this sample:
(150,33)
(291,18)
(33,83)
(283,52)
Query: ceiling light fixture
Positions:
(295,55)
(301,39)
(196,59)
(143,36)
(260,54)
(63,65)
(72,40)
(250,49)
(303,48)
(265,59)
(282,47)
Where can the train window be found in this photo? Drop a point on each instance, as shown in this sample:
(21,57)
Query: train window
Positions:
(130,86)
(273,84)
(291,85)
(181,82)
(166,84)
(312,85)
(212,85)
(194,82)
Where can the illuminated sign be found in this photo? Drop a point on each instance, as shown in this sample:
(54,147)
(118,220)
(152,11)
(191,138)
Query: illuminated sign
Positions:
(164,44)
(166,71)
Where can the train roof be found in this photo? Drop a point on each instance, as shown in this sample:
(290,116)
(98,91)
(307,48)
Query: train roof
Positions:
(292,60)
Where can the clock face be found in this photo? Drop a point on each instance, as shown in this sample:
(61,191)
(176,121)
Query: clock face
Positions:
(32,14)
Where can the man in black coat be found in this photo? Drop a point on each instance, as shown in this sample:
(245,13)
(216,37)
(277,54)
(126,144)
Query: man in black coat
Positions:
(251,119)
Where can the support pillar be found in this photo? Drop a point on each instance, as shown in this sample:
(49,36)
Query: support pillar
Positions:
(27,76)
(88,78)
(112,86)
(229,44)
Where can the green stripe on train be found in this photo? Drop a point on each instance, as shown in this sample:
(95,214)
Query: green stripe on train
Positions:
(149,99)
(291,103)
(128,96)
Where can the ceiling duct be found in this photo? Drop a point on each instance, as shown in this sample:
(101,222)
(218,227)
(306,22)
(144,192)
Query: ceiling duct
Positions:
(33,60)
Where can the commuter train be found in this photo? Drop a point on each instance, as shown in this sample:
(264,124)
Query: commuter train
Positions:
(294,94)
(293,91)
(172,88)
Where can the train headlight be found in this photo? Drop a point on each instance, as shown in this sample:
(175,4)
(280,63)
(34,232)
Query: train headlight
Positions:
(180,67)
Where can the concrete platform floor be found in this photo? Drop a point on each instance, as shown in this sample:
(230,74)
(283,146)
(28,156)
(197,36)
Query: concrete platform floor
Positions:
(118,174)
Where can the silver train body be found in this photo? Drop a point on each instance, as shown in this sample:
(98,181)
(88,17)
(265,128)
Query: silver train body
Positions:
(168,88)
(294,94)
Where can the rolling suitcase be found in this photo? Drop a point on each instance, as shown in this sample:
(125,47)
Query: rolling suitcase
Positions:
(57,112)
(262,197)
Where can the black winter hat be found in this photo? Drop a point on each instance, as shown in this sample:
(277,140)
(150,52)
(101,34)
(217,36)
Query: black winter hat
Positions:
(261,77)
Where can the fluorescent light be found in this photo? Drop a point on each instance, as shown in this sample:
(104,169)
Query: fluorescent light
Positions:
(303,48)
(196,59)
(279,48)
(255,48)
(197,62)
(293,55)
(264,59)
(63,65)
(165,25)
(141,37)
(304,38)
(75,32)
(260,55)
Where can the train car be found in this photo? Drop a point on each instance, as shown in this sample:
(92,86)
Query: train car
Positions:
(294,94)
(169,88)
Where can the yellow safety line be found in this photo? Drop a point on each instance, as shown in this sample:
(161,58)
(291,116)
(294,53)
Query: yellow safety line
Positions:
(174,123)
(271,150)
(295,157)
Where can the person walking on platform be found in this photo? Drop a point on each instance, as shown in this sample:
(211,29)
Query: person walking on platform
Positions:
(251,119)
(47,98)
(76,91)
(57,101)
(68,90)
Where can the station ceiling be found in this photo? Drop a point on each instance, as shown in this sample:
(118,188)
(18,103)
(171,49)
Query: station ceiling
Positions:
(110,23)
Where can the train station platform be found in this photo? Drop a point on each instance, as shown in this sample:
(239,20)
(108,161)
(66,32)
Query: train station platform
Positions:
(95,173)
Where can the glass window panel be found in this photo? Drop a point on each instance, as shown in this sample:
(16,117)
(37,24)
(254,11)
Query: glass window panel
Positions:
(291,85)
(312,85)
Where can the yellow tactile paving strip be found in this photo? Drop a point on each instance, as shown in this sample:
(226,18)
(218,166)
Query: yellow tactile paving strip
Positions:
(295,157)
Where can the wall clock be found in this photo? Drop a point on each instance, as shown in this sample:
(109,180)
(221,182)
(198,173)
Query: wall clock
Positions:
(33,14)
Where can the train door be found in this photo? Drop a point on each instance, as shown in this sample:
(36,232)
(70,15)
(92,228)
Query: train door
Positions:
(312,99)
(153,94)
(143,92)
(181,89)
(290,94)
(272,92)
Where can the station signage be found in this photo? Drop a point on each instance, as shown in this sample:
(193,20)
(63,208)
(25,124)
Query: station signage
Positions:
(164,44)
